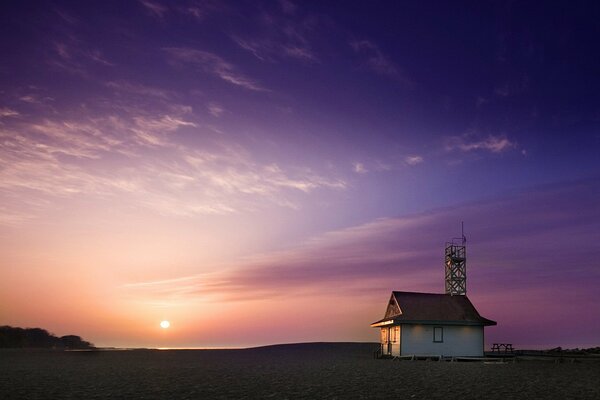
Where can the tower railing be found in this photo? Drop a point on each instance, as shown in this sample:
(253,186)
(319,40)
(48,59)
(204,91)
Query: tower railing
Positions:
(455,268)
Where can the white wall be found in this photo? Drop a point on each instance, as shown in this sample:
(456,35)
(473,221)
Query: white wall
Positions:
(466,341)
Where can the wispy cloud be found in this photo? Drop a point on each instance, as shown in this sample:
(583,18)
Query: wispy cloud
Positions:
(470,142)
(512,87)
(288,7)
(413,160)
(502,91)
(10,217)
(152,130)
(379,62)
(70,56)
(141,161)
(404,253)
(196,12)
(281,35)
(507,281)
(213,64)
(154,8)
(62,50)
(359,168)
(33,98)
(96,55)
(200,10)
(301,53)
(139,89)
(66,17)
(7,112)
(215,109)
(259,50)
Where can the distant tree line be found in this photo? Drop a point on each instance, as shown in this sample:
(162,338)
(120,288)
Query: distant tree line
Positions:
(11,337)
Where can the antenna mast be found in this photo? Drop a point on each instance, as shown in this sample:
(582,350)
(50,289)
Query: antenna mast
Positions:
(456,265)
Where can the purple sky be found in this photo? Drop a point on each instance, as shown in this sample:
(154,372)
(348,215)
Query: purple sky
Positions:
(251,164)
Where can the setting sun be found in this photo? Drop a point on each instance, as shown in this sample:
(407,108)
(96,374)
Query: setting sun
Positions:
(165,324)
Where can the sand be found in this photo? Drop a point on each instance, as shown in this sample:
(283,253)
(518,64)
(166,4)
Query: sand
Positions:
(290,371)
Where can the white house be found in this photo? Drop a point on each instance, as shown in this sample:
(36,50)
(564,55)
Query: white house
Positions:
(431,324)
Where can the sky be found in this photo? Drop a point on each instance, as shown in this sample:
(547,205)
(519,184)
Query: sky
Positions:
(269,171)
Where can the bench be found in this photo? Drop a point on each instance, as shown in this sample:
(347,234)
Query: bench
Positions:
(502,348)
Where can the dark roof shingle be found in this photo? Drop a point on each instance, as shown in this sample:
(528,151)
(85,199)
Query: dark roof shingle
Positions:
(435,308)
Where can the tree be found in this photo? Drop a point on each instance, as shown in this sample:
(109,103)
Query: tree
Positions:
(13,337)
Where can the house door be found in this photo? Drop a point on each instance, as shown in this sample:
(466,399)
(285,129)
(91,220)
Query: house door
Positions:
(389,342)
(385,340)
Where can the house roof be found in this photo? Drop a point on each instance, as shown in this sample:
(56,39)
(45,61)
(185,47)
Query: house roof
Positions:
(430,308)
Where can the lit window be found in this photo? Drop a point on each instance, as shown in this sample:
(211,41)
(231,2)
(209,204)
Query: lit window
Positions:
(438,334)
(384,335)
(396,334)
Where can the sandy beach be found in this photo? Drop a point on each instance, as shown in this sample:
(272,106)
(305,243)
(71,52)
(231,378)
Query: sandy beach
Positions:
(287,371)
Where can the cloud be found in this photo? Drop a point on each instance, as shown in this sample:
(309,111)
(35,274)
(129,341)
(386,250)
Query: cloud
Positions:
(300,53)
(142,90)
(288,7)
(502,91)
(96,55)
(405,252)
(155,8)
(9,217)
(196,12)
(33,98)
(413,160)
(259,50)
(67,17)
(137,158)
(359,168)
(72,55)
(507,280)
(213,64)
(265,49)
(200,10)
(380,63)
(7,112)
(62,50)
(513,87)
(215,109)
(281,36)
(469,142)
(166,123)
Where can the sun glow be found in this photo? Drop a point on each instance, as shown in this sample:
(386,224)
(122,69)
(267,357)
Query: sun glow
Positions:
(165,324)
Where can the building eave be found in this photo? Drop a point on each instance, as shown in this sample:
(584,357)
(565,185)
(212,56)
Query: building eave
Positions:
(385,322)
(388,322)
(442,322)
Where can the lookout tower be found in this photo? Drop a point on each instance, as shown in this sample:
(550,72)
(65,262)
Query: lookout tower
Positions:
(456,265)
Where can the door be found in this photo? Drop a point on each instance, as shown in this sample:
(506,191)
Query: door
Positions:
(385,341)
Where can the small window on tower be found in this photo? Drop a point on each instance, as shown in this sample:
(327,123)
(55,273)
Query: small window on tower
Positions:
(438,334)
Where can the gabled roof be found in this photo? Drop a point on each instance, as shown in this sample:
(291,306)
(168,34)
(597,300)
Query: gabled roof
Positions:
(430,308)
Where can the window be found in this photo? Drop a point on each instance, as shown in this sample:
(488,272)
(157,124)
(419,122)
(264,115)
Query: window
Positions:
(438,334)
(395,334)
(384,335)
